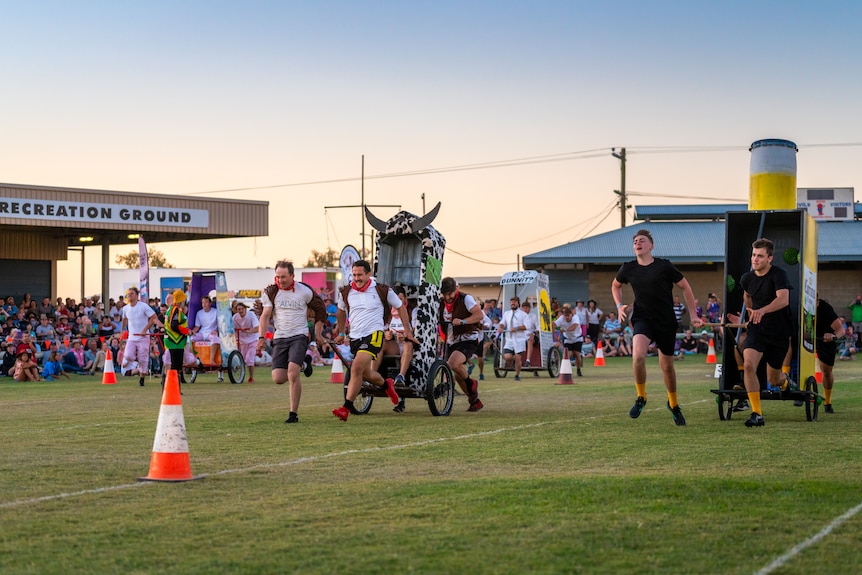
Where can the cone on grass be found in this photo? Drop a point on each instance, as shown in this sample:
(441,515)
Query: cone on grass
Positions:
(818,371)
(565,372)
(170,459)
(337,375)
(600,356)
(710,355)
(108,375)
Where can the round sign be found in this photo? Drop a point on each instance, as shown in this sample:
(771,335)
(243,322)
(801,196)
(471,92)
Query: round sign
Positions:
(349,256)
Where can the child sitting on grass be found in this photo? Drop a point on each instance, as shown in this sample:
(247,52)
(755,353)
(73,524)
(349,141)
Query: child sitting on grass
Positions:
(53,368)
(25,368)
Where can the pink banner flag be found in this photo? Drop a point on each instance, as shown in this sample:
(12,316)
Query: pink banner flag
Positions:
(145,269)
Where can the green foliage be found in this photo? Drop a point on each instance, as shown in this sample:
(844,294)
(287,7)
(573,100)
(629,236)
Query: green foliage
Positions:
(327,259)
(132,259)
(546,479)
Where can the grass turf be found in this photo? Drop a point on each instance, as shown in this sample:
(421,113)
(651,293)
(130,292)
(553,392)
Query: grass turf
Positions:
(545,479)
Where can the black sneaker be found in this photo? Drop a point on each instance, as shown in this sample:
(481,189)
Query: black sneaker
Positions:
(636,409)
(307,368)
(579,373)
(292,418)
(741,405)
(828,408)
(676,412)
(400,407)
(756,420)
(141,381)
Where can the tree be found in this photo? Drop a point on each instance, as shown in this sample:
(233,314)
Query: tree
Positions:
(327,259)
(131,259)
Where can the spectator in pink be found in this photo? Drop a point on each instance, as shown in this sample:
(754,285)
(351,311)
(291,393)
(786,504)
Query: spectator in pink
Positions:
(246,325)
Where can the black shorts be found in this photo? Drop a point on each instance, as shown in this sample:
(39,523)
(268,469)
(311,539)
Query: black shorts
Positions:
(665,339)
(773,349)
(287,350)
(370,344)
(468,347)
(826,352)
(574,347)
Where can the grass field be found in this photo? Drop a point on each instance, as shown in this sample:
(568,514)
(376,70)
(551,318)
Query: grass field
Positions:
(546,479)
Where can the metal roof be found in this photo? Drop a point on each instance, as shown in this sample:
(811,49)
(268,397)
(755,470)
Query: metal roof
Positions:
(689,242)
(694,212)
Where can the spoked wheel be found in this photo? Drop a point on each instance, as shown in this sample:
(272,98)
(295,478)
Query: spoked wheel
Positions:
(554,360)
(235,367)
(440,388)
(499,371)
(812,401)
(363,402)
(725,406)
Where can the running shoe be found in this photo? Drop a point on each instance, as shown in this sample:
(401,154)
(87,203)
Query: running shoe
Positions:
(341,413)
(756,420)
(527,363)
(828,408)
(476,405)
(400,407)
(251,380)
(636,409)
(141,381)
(481,377)
(676,412)
(741,405)
(390,391)
(579,372)
(292,418)
(307,368)
(517,378)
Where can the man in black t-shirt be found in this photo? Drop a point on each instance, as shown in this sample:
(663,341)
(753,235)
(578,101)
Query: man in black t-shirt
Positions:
(653,318)
(828,328)
(767,298)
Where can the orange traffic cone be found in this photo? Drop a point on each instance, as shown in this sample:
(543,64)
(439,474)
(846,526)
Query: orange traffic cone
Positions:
(600,356)
(818,371)
(337,375)
(170,461)
(710,355)
(108,375)
(565,372)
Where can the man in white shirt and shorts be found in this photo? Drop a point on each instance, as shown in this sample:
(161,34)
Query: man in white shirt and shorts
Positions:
(138,318)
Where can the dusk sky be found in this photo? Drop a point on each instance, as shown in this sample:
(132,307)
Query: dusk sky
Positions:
(513,108)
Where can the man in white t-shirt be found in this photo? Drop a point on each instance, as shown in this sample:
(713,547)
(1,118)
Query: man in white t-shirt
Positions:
(138,318)
(513,326)
(368,307)
(287,303)
(572,338)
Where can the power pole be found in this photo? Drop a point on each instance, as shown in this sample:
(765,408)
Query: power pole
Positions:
(622,191)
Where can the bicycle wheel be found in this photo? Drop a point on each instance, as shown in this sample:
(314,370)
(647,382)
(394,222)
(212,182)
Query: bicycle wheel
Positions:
(235,367)
(440,388)
(363,401)
(555,357)
(499,371)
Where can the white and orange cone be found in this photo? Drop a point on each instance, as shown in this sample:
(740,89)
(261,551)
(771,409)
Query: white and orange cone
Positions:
(710,354)
(170,460)
(108,375)
(565,372)
(337,375)
(600,356)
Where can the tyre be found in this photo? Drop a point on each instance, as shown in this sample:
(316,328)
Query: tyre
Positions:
(362,403)
(725,406)
(554,360)
(499,371)
(812,400)
(440,388)
(235,367)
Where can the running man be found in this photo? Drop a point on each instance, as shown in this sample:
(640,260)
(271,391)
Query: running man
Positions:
(652,280)
(138,318)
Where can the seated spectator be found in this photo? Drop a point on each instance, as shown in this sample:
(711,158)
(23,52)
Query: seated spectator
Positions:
(688,344)
(588,348)
(847,350)
(25,368)
(73,360)
(9,358)
(703,342)
(53,367)
(94,357)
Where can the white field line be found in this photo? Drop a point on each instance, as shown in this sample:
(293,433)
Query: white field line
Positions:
(800,547)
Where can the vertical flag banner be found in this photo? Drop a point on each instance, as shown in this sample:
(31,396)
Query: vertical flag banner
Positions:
(144,260)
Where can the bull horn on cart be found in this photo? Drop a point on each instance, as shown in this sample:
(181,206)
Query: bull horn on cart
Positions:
(417,225)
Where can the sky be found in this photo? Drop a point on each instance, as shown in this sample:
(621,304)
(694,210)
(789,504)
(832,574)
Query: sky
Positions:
(506,112)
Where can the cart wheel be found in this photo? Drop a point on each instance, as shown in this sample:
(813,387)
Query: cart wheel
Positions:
(499,371)
(725,406)
(190,373)
(235,367)
(363,402)
(440,388)
(554,360)
(812,403)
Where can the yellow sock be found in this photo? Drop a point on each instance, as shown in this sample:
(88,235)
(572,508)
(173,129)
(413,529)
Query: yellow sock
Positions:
(754,400)
(827,393)
(641,387)
(785,369)
(671,399)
